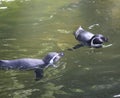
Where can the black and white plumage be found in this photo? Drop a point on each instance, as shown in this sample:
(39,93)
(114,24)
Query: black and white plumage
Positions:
(89,39)
(32,64)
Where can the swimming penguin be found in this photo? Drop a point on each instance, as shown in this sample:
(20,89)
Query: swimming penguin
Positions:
(89,39)
(32,64)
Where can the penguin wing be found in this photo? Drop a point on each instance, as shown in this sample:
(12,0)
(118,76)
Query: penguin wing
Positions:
(38,74)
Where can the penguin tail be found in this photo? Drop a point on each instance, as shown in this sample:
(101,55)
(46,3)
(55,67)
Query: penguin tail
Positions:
(78,31)
(80,28)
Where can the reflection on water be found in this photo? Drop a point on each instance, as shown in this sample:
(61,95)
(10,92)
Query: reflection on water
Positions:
(32,28)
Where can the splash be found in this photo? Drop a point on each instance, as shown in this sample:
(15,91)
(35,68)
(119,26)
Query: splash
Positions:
(106,46)
(63,31)
(117,96)
(91,26)
(8,0)
(3,8)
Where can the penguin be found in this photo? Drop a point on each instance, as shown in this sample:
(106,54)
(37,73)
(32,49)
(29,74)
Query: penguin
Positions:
(89,39)
(32,64)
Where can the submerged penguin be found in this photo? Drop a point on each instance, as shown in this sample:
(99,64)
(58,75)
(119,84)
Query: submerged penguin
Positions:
(32,64)
(89,39)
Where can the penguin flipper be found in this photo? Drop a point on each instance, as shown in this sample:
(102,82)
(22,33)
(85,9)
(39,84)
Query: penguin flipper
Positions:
(75,47)
(39,74)
(78,46)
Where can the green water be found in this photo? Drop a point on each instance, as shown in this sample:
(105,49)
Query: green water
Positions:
(32,28)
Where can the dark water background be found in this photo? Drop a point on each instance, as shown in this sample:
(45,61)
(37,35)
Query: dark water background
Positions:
(32,28)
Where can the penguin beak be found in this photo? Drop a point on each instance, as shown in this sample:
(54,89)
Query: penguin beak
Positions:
(61,54)
(104,39)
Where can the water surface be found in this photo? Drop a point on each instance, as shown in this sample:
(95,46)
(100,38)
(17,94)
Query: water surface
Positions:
(32,28)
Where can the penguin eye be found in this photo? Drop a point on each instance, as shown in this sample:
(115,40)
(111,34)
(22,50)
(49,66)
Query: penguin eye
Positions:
(104,39)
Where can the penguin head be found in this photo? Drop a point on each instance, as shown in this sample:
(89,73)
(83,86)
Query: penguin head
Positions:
(101,37)
(53,57)
(98,40)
